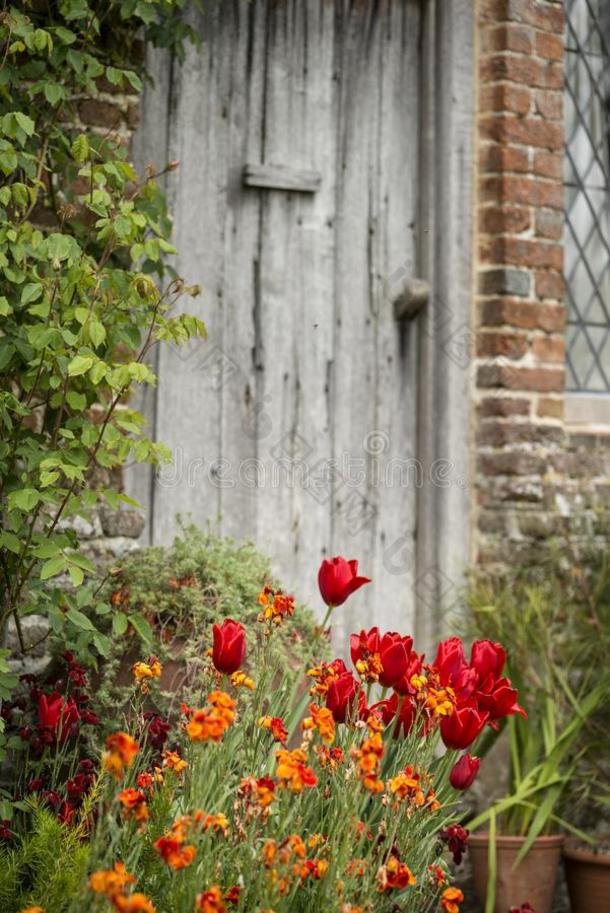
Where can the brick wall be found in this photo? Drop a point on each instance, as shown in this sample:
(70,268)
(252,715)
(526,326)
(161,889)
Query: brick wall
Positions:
(533,478)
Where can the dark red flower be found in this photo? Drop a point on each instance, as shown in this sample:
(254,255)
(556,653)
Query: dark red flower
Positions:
(338,579)
(463,726)
(52,797)
(229,649)
(524,908)
(88,716)
(157,730)
(35,785)
(381,658)
(456,838)
(6,833)
(341,696)
(464,771)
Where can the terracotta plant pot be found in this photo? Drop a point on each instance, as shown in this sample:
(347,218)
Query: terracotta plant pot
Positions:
(532,880)
(588,878)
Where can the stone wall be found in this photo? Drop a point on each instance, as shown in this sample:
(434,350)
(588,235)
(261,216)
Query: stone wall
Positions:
(534,478)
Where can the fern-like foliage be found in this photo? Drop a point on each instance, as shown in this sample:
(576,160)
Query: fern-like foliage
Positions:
(45,868)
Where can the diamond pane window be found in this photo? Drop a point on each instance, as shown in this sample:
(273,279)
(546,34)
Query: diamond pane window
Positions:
(587,181)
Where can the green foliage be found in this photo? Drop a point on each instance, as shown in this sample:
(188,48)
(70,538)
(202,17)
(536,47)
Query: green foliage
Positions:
(554,620)
(180,592)
(80,236)
(43,868)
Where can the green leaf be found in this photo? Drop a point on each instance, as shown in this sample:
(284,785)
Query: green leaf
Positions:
(119,623)
(26,123)
(10,541)
(79,620)
(53,92)
(97,333)
(80,149)
(53,567)
(76,574)
(24,499)
(31,292)
(141,627)
(79,365)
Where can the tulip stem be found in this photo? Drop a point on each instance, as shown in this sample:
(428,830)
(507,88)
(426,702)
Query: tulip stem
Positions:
(326,618)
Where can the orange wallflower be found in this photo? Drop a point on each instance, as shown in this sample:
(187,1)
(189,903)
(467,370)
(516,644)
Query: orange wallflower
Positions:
(324,675)
(211,723)
(368,757)
(134,804)
(394,874)
(241,680)
(143,672)
(218,823)
(321,719)
(134,903)
(32,910)
(260,791)
(438,700)
(276,726)
(172,846)
(211,901)
(121,751)
(173,760)
(451,899)
(406,786)
(111,881)
(329,757)
(293,771)
(437,876)
(276,605)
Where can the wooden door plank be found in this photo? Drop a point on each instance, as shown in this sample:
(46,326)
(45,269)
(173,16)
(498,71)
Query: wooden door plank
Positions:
(296,275)
(282,177)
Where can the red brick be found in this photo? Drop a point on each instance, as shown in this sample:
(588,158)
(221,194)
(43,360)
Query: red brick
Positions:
(99,113)
(505,405)
(549,224)
(528,131)
(548,164)
(549,46)
(133,115)
(530,191)
(541,15)
(549,104)
(499,219)
(522,315)
(520,69)
(497,158)
(549,284)
(549,349)
(510,345)
(509,377)
(550,408)
(505,97)
(511,463)
(507,37)
(523,252)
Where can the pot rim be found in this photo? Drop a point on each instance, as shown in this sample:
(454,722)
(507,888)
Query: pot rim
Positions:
(571,851)
(505,840)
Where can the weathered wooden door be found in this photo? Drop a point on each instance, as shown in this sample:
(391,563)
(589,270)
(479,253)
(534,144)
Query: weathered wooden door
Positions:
(296,207)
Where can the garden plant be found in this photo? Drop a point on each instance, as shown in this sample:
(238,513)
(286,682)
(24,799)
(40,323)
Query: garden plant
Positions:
(318,788)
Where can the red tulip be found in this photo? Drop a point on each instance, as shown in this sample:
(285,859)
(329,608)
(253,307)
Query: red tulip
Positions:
(338,579)
(386,709)
(499,699)
(341,696)
(405,718)
(487,658)
(463,726)
(229,648)
(414,667)
(464,771)
(50,709)
(57,715)
(383,659)
(453,670)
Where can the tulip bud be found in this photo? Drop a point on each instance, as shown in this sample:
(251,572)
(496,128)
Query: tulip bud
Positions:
(338,579)
(229,650)
(464,772)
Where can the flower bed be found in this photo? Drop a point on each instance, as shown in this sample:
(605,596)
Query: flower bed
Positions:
(270,794)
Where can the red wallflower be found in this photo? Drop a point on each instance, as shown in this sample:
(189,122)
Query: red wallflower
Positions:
(463,726)
(229,649)
(456,838)
(338,579)
(464,771)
